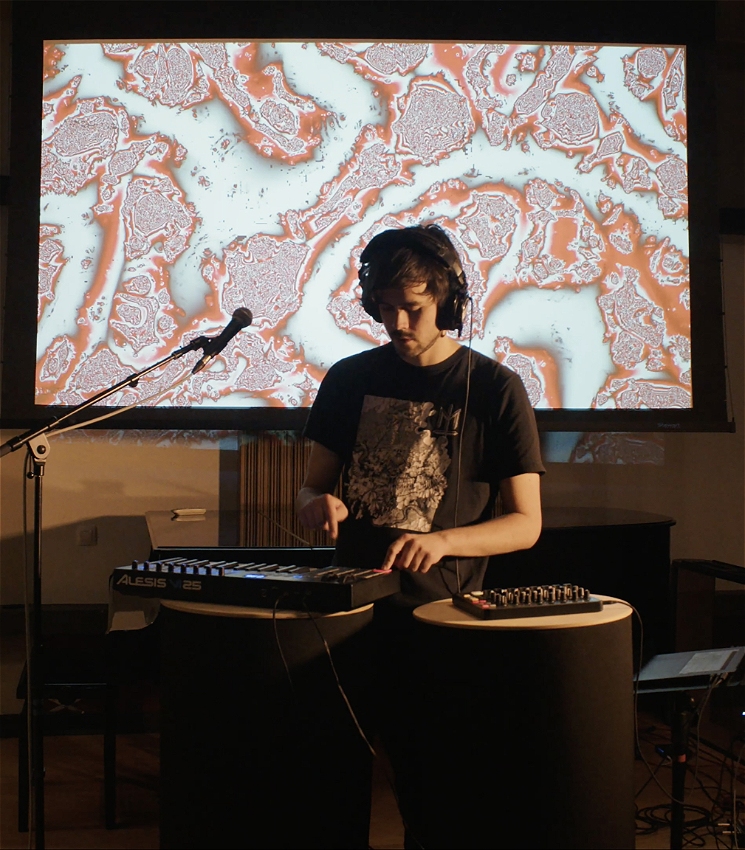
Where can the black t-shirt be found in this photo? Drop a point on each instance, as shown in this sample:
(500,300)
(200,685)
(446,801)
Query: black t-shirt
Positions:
(413,461)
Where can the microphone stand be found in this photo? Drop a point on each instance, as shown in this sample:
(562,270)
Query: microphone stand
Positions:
(38,450)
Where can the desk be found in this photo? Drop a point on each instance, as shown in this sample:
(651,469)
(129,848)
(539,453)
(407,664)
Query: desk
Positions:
(534,725)
(619,553)
(253,753)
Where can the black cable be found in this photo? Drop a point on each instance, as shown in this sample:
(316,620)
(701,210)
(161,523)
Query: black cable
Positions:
(636,697)
(462,430)
(695,841)
(361,732)
(717,809)
(661,815)
(338,682)
(649,829)
(721,751)
(279,646)
(662,761)
(392,785)
(284,529)
(636,707)
(727,374)
(653,773)
(719,806)
(705,790)
(717,801)
(716,680)
(733,794)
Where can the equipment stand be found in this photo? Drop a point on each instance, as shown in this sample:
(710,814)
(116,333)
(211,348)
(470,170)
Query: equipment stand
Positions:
(677,674)
(38,449)
(683,709)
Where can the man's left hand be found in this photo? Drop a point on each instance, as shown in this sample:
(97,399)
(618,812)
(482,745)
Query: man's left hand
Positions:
(415,552)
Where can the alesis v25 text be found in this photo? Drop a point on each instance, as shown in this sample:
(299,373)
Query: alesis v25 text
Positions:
(324,589)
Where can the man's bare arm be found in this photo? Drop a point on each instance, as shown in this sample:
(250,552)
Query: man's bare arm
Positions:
(315,507)
(518,528)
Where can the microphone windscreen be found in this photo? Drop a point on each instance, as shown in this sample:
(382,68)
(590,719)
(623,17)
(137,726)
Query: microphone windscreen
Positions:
(244,316)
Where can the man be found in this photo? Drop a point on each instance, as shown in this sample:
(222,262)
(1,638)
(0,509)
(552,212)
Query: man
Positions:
(428,437)
(425,432)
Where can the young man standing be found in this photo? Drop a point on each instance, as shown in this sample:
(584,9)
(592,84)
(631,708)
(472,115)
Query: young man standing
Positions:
(425,432)
(427,436)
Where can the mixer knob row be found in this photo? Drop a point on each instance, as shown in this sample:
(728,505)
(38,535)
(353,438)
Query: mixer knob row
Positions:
(533,595)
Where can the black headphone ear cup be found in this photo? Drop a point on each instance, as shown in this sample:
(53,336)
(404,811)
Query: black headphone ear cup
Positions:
(366,299)
(460,300)
(451,314)
(372,310)
(446,313)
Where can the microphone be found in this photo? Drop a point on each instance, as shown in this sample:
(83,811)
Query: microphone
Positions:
(241,318)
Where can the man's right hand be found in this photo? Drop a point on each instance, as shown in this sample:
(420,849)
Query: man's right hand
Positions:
(323,512)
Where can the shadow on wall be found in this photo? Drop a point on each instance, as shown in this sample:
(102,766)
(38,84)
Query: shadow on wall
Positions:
(77,559)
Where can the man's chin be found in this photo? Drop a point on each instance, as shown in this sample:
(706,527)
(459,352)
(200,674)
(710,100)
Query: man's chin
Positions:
(405,346)
(408,351)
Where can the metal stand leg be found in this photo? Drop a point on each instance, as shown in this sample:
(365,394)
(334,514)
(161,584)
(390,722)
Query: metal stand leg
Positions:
(682,714)
(23,799)
(39,449)
(109,755)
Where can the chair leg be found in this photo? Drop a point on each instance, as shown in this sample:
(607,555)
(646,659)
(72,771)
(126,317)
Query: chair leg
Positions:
(109,755)
(23,776)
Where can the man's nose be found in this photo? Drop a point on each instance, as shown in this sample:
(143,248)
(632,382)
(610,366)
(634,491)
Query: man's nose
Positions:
(402,320)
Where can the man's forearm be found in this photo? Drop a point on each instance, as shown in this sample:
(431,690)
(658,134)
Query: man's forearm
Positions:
(507,533)
(305,495)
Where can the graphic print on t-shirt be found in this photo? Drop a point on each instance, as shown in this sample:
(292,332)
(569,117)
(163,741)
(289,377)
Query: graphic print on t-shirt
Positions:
(397,474)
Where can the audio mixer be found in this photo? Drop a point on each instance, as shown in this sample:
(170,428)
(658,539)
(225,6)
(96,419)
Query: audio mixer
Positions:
(502,603)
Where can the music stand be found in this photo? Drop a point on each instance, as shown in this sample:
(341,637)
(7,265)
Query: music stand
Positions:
(677,673)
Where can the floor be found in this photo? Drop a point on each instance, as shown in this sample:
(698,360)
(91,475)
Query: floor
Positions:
(74,786)
(74,796)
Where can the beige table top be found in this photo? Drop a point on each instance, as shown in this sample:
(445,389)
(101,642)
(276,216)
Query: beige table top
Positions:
(210,609)
(444,613)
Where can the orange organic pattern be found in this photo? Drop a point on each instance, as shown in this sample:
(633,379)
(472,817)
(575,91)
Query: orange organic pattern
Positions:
(182,181)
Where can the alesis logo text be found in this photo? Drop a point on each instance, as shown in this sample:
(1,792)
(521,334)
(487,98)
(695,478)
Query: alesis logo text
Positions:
(159,582)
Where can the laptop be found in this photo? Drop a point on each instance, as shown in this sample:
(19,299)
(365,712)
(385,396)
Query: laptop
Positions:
(693,670)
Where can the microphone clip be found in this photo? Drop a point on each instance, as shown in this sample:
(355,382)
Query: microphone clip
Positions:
(212,346)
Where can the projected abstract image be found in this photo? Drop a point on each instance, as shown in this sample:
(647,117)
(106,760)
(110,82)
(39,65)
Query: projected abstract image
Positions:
(182,181)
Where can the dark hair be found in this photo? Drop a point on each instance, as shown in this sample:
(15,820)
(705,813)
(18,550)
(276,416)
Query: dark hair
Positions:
(398,259)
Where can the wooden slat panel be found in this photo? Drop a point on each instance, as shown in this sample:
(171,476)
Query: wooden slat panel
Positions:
(273,465)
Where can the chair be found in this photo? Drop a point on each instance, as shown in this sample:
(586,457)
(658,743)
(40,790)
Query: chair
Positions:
(73,669)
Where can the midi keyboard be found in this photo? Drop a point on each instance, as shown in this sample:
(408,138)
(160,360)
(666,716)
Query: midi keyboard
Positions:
(502,603)
(260,585)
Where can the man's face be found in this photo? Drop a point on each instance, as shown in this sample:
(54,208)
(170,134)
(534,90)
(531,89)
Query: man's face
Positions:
(410,317)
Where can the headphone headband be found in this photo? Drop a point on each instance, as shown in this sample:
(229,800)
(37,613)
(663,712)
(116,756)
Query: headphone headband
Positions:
(432,241)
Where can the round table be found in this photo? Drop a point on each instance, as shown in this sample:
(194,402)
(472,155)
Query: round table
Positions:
(527,729)
(258,748)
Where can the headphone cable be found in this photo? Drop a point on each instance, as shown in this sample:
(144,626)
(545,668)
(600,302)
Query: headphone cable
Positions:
(462,430)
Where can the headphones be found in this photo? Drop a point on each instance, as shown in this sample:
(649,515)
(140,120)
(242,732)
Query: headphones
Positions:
(432,241)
